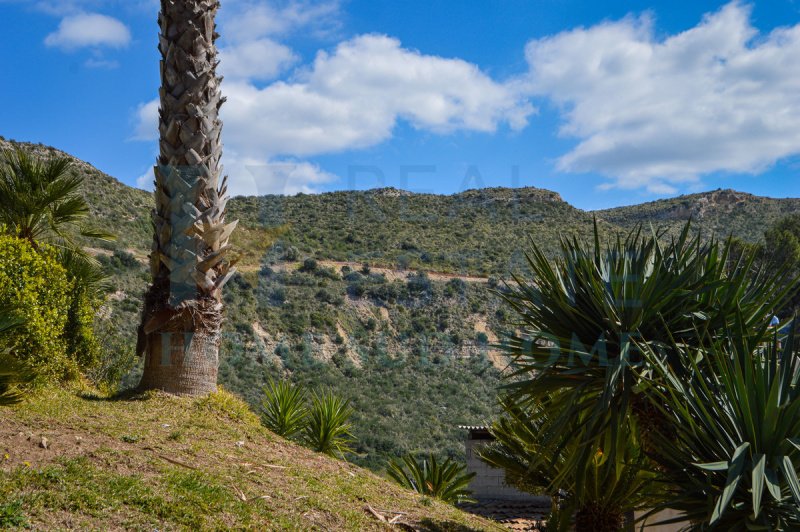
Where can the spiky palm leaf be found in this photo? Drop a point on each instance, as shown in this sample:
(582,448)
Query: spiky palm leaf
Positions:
(328,429)
(582,315)
(283,409)
(732,461)
(446,481)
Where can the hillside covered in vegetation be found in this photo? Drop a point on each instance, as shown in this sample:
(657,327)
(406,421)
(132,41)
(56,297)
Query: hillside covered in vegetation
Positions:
(409,337)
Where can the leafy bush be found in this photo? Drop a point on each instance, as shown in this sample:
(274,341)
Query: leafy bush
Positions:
(328,428)
(446,481)
(283,409)
(36,285)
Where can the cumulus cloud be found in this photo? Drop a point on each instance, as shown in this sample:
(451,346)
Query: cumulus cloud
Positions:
(146,180)
(257,60)
(351,98)
(658,113)
(254,177)
(146,121)
(89,30)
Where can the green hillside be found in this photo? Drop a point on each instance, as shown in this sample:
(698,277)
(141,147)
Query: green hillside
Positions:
(412,351)
(719,212)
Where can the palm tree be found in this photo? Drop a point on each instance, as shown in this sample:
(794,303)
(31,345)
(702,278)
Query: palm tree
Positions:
(40,200)
(180,329)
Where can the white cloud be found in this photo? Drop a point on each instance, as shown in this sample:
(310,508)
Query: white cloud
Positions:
(146,121)
(250,20)
(146,180)
(89,30)
(350,98)
(353,98)
(257,60)
(253,177)
(657,113)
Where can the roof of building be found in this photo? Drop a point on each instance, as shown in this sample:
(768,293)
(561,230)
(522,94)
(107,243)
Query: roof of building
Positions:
(473,427)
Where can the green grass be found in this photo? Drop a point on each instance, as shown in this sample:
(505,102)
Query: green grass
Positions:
(222,471)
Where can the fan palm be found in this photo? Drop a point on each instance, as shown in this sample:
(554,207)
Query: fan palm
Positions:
(40,199)
(446,481)
(179,334)
(734,452)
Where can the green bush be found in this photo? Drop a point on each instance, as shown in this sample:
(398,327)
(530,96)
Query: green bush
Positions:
(33,282)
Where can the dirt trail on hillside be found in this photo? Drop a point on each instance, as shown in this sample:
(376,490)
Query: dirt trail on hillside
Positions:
(392,274)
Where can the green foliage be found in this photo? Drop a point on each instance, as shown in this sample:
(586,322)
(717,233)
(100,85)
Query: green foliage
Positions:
(732,455)
(583,315)
(40,199)
(36,285)
(328,429)
(283,409)
(614,481)
(446,481)
(12,515)
(12,374)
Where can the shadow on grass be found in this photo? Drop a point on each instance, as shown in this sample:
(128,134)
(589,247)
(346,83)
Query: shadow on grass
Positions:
(131,394)
(431,525)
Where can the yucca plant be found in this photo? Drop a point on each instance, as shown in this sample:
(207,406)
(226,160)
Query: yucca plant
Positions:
(614,482)
(733,454)
(283,409)
(446,481)
(328,426)
(582,316)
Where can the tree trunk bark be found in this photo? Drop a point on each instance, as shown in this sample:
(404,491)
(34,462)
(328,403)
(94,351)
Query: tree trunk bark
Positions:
(179,334)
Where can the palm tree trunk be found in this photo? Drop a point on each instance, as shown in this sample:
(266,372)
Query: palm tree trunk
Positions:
(179,334)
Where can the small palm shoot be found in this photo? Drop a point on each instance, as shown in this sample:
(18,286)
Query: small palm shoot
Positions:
(283,409)
(328,426)
(446,481)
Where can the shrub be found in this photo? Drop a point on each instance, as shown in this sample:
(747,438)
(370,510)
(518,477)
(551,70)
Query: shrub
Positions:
(446,481)
(283,409)
(309,265)
(37,286)
(328,429)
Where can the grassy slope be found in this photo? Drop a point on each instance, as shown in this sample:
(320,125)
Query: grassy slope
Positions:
(167,463)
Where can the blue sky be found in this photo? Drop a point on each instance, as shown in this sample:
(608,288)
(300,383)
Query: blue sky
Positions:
(607,103)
